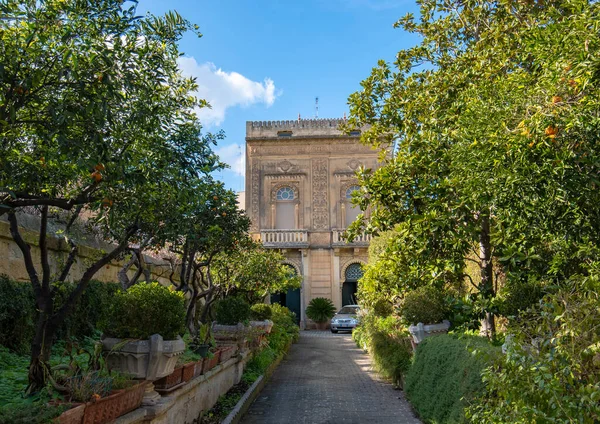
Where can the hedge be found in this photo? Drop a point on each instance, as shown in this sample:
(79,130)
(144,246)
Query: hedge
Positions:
(446,376)
(18,312)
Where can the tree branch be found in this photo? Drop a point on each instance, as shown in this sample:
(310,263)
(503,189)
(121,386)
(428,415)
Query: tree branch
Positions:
(44,251)
(70,261)
(26,250)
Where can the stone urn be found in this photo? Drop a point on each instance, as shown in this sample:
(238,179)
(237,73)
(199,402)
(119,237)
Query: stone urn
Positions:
(265,325)
(421,331)
(227,335)
(143,359)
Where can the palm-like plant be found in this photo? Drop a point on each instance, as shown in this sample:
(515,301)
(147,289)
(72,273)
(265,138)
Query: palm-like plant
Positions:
(320,309)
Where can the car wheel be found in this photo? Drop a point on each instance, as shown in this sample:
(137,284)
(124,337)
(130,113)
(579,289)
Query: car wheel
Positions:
(334,331)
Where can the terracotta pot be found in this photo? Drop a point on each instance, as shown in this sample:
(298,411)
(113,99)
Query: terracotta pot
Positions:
(210,363)
(227,352)
(170,380)
(113,406)
(322,325)
(198,367)
(73,415)
(188,371)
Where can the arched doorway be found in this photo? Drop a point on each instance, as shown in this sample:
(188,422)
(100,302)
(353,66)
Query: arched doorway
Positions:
(291,298)
(353,273)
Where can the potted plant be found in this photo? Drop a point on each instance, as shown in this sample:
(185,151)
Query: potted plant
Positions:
(260,317)
(424,310)
(320,310)
(142,334)
(232,315)
(203,341)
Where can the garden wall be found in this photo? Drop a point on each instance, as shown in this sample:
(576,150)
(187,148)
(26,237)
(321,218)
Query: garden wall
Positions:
(11,258)
(184,405)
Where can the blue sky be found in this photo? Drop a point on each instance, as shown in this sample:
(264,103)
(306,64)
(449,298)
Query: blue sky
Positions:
(266,60)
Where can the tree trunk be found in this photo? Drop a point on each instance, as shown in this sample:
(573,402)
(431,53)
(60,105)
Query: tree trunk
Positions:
(487,272)
(41,346)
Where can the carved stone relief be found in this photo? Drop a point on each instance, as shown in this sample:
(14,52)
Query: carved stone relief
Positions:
(294,185)
(320,203)
(347,263)
(255,199)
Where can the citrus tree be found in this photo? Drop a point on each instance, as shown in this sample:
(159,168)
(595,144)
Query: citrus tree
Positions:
(96,120)
(493,122)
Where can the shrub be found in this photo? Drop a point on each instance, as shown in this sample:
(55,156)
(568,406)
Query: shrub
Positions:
(284,328)
(383,308)
(18,313)
(551,370)
(260,312)
(231,310)
(425,304)
(320,309)
(446,376)
(146,309)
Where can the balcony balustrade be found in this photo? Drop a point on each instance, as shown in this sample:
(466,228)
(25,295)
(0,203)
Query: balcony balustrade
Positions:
(284,238)
(360,240)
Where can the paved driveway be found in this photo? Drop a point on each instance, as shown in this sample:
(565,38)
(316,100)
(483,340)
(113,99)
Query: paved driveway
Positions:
(327,379)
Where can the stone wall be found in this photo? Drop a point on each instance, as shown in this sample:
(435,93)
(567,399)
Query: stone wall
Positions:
(184,405)
(11,258)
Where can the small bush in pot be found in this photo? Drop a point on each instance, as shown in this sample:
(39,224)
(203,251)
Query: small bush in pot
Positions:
(144,310)
(232,310)
(425,304)
(153,317)
(261,312)
(320,310)
(425,308)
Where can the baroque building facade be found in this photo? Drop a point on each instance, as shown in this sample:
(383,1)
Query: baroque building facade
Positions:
(300,176)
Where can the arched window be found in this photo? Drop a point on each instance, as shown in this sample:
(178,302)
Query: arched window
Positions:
(285,193)
(285,214)
(291,271)
(354,272)
(351,210)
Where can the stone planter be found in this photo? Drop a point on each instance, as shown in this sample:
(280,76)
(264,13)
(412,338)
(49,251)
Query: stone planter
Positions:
(265,325)
(227,335)
(144,359)
(227,353)
(421,331)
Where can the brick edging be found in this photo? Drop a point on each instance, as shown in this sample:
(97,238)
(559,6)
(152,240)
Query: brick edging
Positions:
(242,406)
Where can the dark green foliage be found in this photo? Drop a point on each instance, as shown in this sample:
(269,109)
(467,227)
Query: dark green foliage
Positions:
(425,304)
(320,309)
(261,312)
(232,310)
(387,342)
(517,297)
(18,313)
(146,309)
(15,408)
(284,329)
(446,376)
(382,308)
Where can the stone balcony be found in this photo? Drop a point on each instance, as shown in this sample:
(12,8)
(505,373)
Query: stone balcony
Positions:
(339,241)
(284,238)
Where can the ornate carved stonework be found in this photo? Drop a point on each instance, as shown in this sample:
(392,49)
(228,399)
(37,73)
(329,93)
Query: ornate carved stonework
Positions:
(353,164)
(338,147)
(255,199)
(345,185)
(320,204)
(295,264)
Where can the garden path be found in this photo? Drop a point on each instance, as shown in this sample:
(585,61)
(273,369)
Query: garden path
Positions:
(327,379)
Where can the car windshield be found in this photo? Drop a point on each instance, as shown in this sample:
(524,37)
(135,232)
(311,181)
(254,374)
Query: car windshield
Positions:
(348,310)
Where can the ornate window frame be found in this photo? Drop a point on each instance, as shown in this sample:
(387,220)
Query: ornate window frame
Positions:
(346,265)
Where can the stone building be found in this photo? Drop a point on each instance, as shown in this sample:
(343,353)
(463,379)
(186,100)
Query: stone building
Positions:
(299,179)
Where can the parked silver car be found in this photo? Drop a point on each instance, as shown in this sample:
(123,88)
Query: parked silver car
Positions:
(345,319)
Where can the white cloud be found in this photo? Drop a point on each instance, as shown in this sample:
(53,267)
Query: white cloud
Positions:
(225,89)
(233,155)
